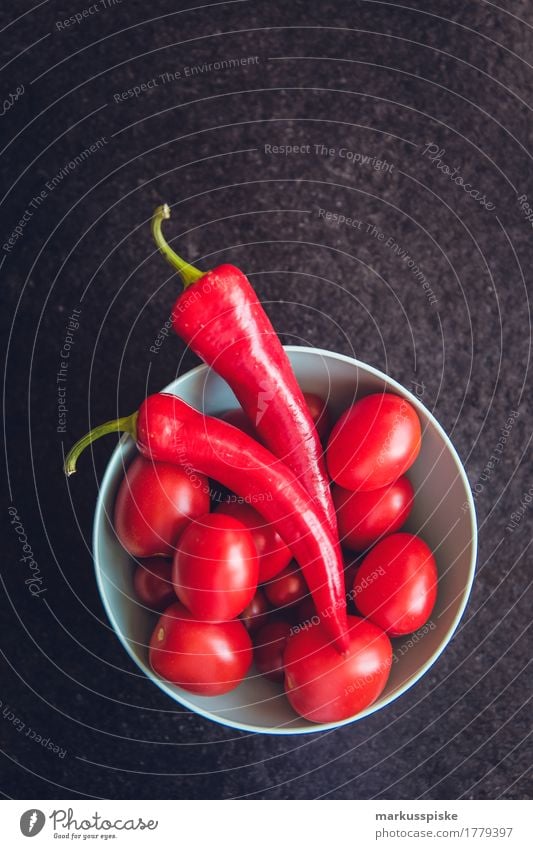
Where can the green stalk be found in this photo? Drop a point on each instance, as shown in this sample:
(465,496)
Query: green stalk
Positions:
(188,273)
(127,424)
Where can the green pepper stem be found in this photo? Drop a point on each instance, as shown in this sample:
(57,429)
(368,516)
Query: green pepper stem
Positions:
(188,273)
(127,424)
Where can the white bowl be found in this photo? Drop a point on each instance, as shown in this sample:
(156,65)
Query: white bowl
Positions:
(443,514)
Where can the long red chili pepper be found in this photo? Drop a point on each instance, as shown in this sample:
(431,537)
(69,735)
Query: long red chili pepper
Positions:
(167,429)
(224,323)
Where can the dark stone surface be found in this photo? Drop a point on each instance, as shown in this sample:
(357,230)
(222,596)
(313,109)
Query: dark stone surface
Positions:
(379,80)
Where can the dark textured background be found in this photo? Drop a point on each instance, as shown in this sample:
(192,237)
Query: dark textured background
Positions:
(382,79)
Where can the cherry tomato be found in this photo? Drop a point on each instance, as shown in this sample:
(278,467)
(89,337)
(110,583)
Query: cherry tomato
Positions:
(215,567)
(365,517)
(324,686)
(273,554)
(306,611)
(269,646)
(396,584)
(238,418)
(373,443)
(350,571)
(154,504)
(255,614)
(287,588)
(207,658)
(152,582)
(319,413)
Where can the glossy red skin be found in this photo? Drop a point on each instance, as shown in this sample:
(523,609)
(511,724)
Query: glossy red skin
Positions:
(273,554)
(319,413)
(287,588)
(152,582)
(238,418)
(402,598)
(168,429)
(325,687)
(374,442)
(215,567)
(222,320)
(154,504)
(256,612)
(207,658)
(315,404)
(269,647)
(365,517)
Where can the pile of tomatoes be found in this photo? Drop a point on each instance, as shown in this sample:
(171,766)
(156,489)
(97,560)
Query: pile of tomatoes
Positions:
(229,593)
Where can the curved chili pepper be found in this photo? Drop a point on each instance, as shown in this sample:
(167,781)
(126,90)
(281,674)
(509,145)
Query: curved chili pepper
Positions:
(167,429)
(222,320)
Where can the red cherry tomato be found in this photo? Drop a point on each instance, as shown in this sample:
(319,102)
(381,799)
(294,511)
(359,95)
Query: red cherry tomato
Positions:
(306,611)
(238,418)
(319,413)
(365,517)
(396,584)
(255,614)
(350,571)
(324,686)
(215,567)
(207,658)
(152,582)
(373,443)
(287,588)
(154,504)
(273,554)
(269,646)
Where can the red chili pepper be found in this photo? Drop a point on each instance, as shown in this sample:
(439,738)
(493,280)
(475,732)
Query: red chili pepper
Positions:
(167,429)
(222,320)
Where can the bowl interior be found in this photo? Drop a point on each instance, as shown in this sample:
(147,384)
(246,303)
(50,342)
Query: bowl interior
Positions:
(443,515)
